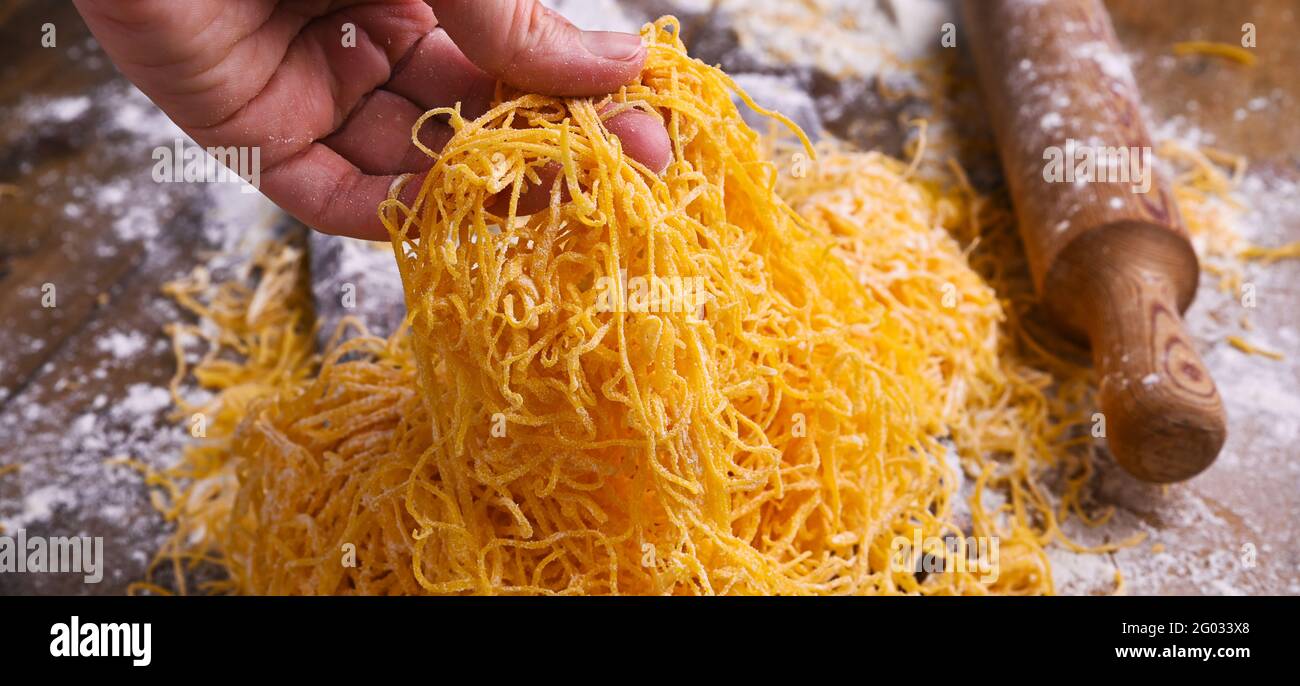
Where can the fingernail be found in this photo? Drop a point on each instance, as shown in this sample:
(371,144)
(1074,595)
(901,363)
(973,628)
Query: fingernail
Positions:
(612,45)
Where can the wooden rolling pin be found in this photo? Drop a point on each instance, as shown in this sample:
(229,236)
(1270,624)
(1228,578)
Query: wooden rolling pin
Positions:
(1110,257)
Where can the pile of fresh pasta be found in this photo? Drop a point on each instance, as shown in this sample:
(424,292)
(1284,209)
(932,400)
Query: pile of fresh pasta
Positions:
(737,377)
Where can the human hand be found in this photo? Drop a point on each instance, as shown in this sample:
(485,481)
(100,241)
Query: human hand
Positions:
(334,123)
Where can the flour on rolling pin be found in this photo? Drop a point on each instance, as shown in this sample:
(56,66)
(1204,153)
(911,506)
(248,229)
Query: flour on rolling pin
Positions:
(1110,257)
(1076,97)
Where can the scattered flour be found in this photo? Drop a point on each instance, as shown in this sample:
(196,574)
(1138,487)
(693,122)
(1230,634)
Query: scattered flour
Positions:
(55,110)
(143,400)
(102,394)
(122,345)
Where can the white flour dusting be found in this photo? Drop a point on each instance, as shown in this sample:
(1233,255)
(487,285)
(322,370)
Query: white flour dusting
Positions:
(122,345)
(102,394)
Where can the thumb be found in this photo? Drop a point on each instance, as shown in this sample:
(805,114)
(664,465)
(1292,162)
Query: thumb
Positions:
(534,49)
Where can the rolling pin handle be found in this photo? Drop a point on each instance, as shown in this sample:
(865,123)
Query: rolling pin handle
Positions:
(1164,419)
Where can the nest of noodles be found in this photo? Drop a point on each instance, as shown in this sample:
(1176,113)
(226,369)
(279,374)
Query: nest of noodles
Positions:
(724,379)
